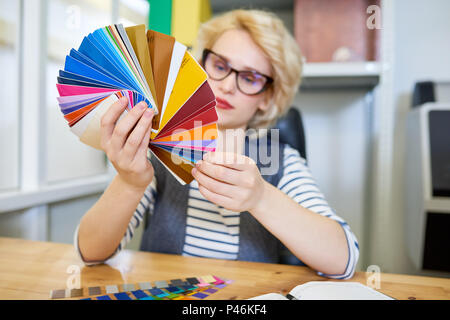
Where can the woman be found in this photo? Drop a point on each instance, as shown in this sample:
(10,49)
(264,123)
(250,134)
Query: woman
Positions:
(230,210)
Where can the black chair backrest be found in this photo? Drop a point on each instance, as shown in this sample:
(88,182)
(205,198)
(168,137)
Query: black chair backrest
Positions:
(291,130)
(292,133)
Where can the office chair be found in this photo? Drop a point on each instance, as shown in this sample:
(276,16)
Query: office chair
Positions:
(291,130)
(292,133)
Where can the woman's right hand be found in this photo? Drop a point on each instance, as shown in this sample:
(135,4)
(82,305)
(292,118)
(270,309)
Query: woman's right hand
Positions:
(126,142)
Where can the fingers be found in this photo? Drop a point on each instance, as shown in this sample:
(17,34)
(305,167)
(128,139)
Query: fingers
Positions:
(230,160)
(142,150)
(110,118)
(218,199)
(136,136)
(219,172)
(124,126)
(209,183)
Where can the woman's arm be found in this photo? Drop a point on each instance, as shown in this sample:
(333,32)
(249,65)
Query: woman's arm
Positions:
(107,221)
(236,184)
(318,241)
(125,143)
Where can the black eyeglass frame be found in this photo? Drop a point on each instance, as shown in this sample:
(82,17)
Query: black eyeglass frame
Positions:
(268,83)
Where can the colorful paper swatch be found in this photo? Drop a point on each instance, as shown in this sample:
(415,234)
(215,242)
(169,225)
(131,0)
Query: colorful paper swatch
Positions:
(114,62)
(188,288)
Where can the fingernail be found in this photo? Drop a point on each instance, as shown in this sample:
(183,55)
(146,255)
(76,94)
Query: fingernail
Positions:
(142,105)
(199,163)
(194,171)
(148,113)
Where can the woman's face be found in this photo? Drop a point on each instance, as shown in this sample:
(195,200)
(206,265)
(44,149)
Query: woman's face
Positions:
(234,108)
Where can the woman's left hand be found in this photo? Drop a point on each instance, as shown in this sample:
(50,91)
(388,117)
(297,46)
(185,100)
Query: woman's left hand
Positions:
(230,180)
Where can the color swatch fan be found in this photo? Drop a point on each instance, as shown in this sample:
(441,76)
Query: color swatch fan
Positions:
(149,66)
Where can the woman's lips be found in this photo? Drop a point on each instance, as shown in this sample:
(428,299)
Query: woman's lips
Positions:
(223,104)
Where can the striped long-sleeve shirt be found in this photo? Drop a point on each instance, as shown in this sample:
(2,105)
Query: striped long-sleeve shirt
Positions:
(213,231)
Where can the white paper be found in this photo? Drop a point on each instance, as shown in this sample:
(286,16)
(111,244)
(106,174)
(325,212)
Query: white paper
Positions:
(332,290)
(270,296)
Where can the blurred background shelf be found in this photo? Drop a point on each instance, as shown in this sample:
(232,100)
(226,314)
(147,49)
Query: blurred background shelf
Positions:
(339,75)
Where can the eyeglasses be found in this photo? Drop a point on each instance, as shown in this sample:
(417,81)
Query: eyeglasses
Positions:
(247,81)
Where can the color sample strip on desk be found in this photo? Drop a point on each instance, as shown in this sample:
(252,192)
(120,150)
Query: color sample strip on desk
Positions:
(57,294)
(174,289)
(159,294)
(94,291)
(112,289)
(175,286)
(179,282)
(200,295)
(192,281)
(202,283)
(139,294)
(128,287)
(145,285)
(76,293)
(210,290)
(122,296)
(161,284)
(218,280)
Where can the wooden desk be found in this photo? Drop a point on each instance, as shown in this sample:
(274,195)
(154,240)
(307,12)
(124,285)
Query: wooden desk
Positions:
(30,269)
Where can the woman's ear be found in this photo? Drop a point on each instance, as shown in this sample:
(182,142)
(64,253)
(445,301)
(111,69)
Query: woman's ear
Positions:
(266,101)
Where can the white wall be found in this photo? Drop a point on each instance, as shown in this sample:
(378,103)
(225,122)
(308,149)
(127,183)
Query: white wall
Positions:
(337,125)
(9,119)
(421,52)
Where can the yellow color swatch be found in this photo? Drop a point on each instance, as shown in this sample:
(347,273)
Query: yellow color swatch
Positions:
(208,278)
(190,77)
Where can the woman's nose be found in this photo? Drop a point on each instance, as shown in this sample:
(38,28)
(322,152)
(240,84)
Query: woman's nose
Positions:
(228,85)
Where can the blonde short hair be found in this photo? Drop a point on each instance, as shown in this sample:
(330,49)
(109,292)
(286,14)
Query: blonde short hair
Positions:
(270,34)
